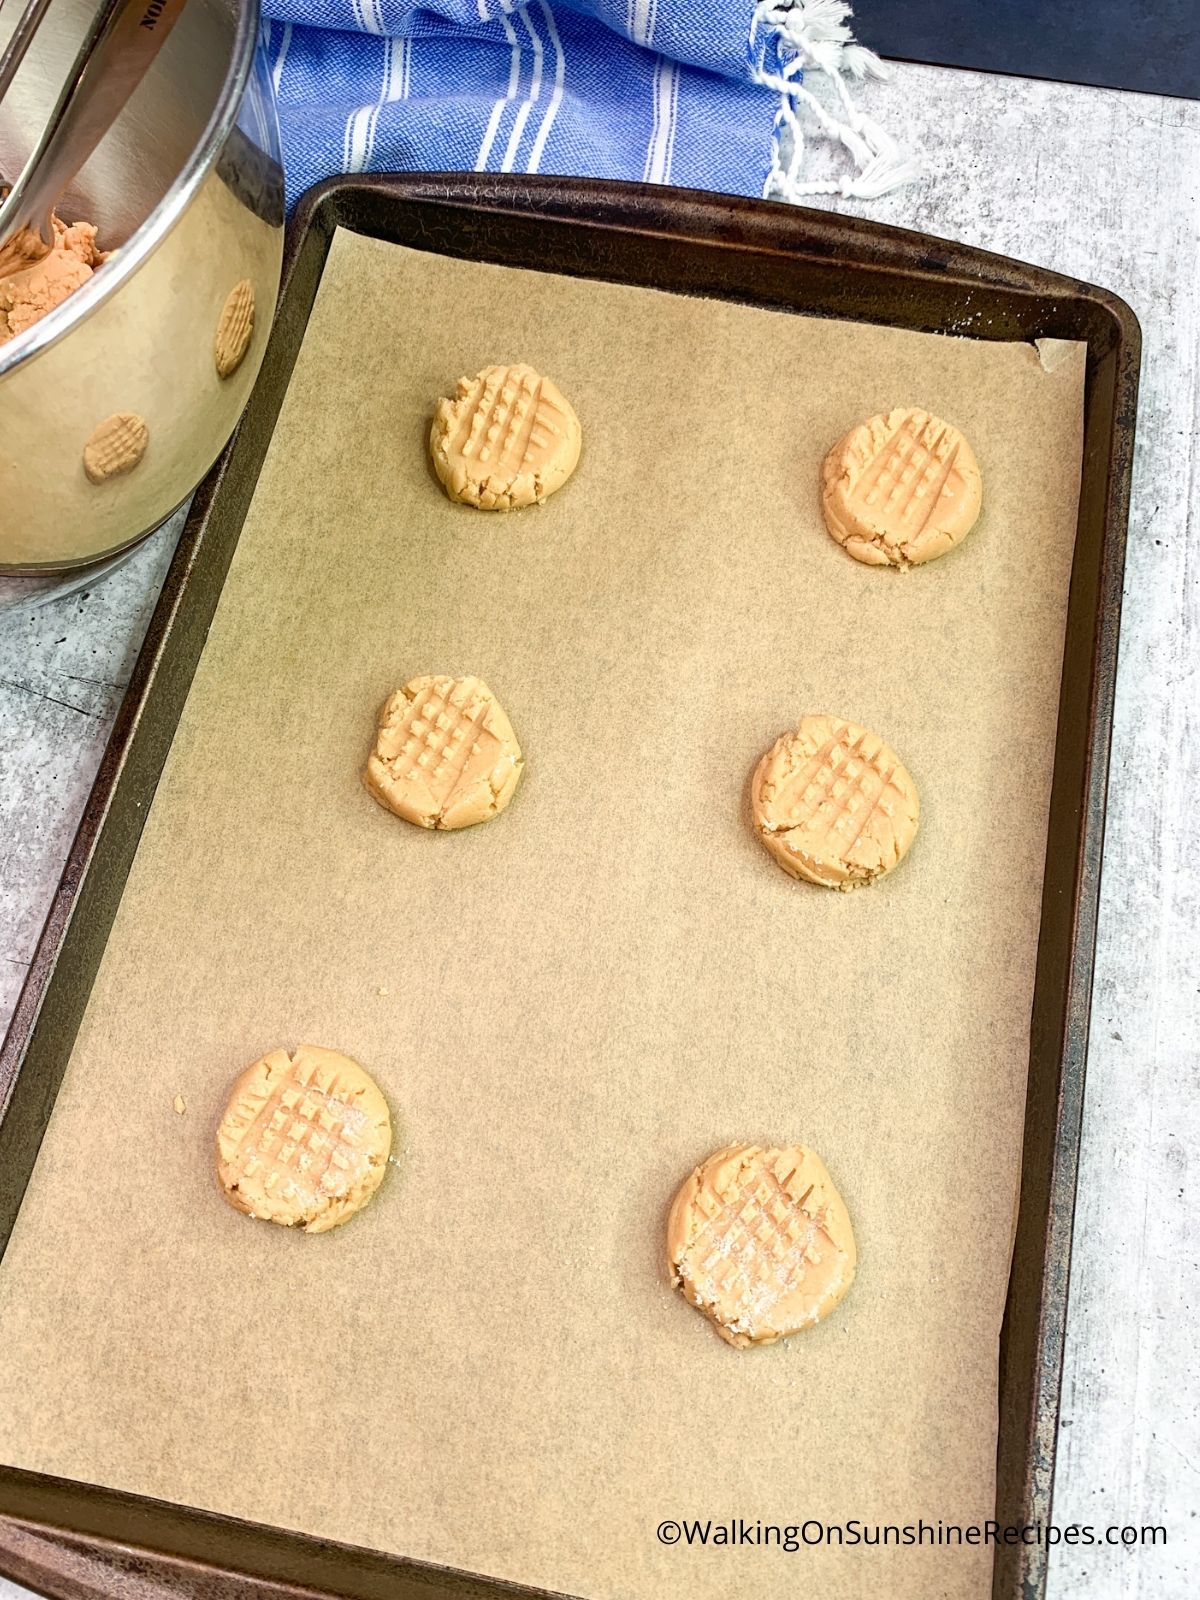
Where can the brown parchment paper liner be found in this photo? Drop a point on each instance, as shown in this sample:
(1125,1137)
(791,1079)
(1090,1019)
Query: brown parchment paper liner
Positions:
(572,1005)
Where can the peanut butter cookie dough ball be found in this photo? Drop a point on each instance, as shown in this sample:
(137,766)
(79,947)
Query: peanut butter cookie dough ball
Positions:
(305,1139)
(760,1241)
(900,489)
(445,754)
(506,438)
(833,804)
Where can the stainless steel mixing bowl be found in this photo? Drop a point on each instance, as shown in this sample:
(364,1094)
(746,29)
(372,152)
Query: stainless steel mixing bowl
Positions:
(188,187)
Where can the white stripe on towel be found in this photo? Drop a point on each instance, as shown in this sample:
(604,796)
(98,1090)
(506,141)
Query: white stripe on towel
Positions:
(662,136)
(640,14)
(676,75)
(535,89)
(361,124)
(560,70)
(354,140)
(514,78)
(354,134)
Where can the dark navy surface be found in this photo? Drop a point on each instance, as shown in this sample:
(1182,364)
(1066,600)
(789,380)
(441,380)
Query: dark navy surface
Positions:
(1119,44)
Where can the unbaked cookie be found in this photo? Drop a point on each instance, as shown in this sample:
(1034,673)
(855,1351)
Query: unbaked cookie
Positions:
(115,446)
(833,804)
(304,1140)
(760,1241)
(901,489)
(507,438)
(445,754)
(235,329)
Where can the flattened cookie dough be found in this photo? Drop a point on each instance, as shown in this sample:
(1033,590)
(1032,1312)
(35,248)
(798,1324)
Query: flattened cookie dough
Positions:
(304,1140)
(760,1241)
(901,489)
(445,754)
(114,446)
(507,438)
(833,804)
(235,329)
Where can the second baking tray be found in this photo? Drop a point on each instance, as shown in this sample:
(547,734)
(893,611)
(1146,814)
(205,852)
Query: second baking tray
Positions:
(726,250)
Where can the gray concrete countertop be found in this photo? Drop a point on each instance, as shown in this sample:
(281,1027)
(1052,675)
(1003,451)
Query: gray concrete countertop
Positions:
(1103,186)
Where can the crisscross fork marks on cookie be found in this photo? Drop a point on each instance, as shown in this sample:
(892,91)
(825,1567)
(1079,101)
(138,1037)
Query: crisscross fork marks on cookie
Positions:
(817,783)
(507,438)
(928,489)
(299,1122)
(754,1247)
(901,489)
(235,329)
(445,753)
(857,791)
(508,422)
(304,1140)
(919,457)
(887,781)
(759,1240)
(833,804)
(814,777)
(441,736)
(115,446)
(885,474)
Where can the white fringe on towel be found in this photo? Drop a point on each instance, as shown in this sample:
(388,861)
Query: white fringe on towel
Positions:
(811,36)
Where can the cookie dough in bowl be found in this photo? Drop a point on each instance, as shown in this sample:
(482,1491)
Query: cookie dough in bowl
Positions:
(834,804)
(760,1241)
(901,489)
(445,754)
(506,438)
(304,1140)
(32,293)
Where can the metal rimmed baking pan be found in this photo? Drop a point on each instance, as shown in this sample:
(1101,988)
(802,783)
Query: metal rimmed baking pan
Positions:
(736,250)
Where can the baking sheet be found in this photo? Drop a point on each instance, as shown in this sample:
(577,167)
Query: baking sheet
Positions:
(570,1006)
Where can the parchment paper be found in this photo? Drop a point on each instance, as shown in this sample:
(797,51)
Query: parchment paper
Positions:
(570,1006)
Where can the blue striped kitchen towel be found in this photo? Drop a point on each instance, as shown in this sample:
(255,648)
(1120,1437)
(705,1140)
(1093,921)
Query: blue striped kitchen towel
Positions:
(707,93)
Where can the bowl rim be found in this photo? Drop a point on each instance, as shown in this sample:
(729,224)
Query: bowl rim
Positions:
(146,238)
